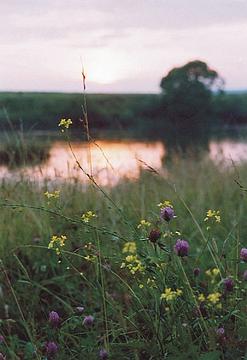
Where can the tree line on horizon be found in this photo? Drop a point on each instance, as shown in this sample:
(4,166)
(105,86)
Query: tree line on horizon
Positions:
(192,99)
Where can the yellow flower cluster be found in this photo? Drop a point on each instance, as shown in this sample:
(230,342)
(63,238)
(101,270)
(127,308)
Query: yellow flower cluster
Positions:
(65,124)
(214,298)
(52,195)
(213,215)
(201,298)
(88,216)
(212,273)
(57,242)
(170,295)
(143,224)
(133,264)
(129,247)
(164,204)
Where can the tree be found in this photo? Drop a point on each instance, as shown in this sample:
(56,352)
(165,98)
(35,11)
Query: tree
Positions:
(187,93)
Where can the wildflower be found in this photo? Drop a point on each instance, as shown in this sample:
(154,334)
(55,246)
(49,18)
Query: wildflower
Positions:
(51,348)
(103,354)
(181,248)
(170,295)
(201,298)
(65,124)
(213,273)
(129,247)
(243,254)
(228,284)
(57,242)
(220,331)
(154,235)
(165,203)
(90,258)
(88,320)
(133,264)
(167,213)
(1,339)
(151,283)
(196,272)
(54,318)
(214,298)
(143,224)
(2,357)
(80,309)
(52,195)
(213,215)
(88,216)
(245,275)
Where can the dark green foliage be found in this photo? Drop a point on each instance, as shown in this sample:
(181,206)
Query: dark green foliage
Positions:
(187,94)
(105,111)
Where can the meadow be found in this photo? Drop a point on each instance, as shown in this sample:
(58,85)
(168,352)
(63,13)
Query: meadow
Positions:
(101,273)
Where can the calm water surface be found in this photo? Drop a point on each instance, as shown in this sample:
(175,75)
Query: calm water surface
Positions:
(111,161)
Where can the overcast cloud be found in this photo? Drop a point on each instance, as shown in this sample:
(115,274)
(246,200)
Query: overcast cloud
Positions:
(125,46)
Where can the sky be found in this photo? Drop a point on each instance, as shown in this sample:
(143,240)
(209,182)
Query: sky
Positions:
(125,46)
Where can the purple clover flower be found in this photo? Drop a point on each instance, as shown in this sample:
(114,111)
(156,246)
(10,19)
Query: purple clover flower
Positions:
(181,248)
(228,284)
(196,272)
(54,318)
(51,348)
(88,320)
(154,235)
(103,354)
(167,213)
(2,357)
(220,331)
(1,339)
(243,254)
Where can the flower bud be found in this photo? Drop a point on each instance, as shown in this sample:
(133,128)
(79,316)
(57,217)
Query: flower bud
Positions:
(54,318)
(88,320)
(154,235)
(243,254)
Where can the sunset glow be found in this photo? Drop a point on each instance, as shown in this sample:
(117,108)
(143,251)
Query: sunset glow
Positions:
(124,46)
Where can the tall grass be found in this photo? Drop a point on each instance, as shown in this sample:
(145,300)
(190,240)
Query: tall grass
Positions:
(131,320)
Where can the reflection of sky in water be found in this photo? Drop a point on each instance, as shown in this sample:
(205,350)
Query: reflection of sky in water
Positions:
(228,151)
(114,160)
(111,161)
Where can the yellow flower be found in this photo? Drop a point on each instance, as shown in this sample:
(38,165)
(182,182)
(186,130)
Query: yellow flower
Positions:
(133,264)
(201,298)
(65,124)
(215,271)
(90,258)
(170,295)
(129,247)
(213,215)
(214,298)
(89,215)
(57,242)
(143,224)
(164,204)
(213,274)
(52,195)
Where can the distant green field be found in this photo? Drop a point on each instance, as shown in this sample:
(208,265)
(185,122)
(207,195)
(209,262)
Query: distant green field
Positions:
(43,110)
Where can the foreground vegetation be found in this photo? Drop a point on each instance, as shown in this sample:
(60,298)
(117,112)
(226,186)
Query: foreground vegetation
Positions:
(100,273)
